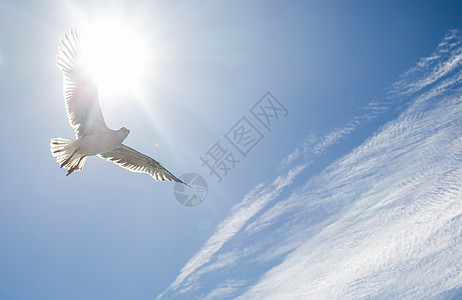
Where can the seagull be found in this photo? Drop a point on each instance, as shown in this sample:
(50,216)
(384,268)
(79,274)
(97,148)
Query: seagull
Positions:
(93,137)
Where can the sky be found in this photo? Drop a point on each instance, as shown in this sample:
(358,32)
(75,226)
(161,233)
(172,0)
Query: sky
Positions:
(337,124)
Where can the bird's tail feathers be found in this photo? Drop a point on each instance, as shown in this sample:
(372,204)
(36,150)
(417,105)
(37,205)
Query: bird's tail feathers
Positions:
(66,154)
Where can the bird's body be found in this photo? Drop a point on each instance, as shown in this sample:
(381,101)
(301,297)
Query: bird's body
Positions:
(101,142)
(93,137)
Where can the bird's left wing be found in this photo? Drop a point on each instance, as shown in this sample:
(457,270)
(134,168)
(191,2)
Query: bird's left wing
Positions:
(135,161)
(79,89)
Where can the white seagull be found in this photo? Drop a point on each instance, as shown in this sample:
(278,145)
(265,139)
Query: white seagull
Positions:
(93,137)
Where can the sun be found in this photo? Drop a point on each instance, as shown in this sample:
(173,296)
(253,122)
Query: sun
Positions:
(116,55)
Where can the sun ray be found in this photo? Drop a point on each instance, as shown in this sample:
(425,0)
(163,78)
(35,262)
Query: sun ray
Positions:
(117,57)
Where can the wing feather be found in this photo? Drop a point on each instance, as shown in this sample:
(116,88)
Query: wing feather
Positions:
(135,161)
(79,90)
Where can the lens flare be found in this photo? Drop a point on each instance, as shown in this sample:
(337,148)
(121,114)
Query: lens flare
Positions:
(116,56)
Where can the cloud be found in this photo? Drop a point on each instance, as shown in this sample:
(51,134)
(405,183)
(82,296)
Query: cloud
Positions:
(289,159)
(240,214)
(446,58)
(443,61)
(370,224)
(392,216)
(225,290)
(393,211)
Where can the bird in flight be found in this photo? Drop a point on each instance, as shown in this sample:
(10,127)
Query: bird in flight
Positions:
(93,137)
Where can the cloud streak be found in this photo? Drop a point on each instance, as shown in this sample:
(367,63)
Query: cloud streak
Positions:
(370,224)
(446,58)
(240,214)
(393,213)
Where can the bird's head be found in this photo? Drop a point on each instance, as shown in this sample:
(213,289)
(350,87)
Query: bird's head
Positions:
(124,131)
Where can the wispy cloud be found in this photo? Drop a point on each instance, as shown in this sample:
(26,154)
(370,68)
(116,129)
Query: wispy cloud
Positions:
(443,61)
(290,159)
(391,212)
(394,216)
(240,214)
(446,58)
(225,290)
(376,218)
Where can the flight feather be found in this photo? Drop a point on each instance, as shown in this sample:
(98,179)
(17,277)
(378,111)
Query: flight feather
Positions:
(135,161)
(79,89)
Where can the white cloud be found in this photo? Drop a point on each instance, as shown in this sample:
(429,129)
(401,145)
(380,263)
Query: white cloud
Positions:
(241,213)
(289,159)
(225,290)
(372,222)
(446,58)
(394,213)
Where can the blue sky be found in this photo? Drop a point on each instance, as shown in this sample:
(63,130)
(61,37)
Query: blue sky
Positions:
(354,194)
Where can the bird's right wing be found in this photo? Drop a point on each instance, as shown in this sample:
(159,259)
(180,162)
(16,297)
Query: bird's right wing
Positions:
(135,161)
(80,91)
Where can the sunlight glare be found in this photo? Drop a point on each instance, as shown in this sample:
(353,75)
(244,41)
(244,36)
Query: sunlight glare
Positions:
(116,56)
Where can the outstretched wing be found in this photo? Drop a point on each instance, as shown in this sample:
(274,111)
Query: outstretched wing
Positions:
(80,92)
(135,161)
